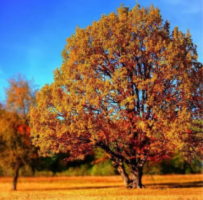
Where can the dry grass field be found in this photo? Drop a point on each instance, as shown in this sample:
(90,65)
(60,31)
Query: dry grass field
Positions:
(166,187)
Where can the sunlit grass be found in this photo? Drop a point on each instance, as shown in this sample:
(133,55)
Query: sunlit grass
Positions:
(168,187)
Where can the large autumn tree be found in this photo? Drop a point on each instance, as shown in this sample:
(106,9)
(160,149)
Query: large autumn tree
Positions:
(128,86)
(16,149)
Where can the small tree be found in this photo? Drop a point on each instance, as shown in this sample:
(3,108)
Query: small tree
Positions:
(127,86)
(15,143)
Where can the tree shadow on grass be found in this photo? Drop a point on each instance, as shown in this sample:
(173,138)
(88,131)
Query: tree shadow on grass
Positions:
(71,188)
(193,184)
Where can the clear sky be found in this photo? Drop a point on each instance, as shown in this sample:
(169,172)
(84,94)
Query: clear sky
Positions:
(33,32)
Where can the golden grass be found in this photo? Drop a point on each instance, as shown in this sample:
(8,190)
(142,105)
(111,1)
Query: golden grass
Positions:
(166,187)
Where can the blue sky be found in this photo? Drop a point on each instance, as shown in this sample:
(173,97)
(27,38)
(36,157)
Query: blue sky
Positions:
(33,33)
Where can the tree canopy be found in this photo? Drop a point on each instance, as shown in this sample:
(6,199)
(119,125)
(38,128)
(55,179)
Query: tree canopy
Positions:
(126,85)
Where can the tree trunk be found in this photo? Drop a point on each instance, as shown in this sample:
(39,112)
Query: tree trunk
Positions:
(15,178)
(123,174)
(137,178)
(121,169)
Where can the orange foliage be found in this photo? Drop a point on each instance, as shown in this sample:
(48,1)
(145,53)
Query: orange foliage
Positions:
(126,85)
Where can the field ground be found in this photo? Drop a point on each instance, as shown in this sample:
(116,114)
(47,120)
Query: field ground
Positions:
(166,187)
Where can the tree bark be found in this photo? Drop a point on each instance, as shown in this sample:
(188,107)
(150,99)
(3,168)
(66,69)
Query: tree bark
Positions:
(121,169)
(124,175)
(137,177)
(15,178)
